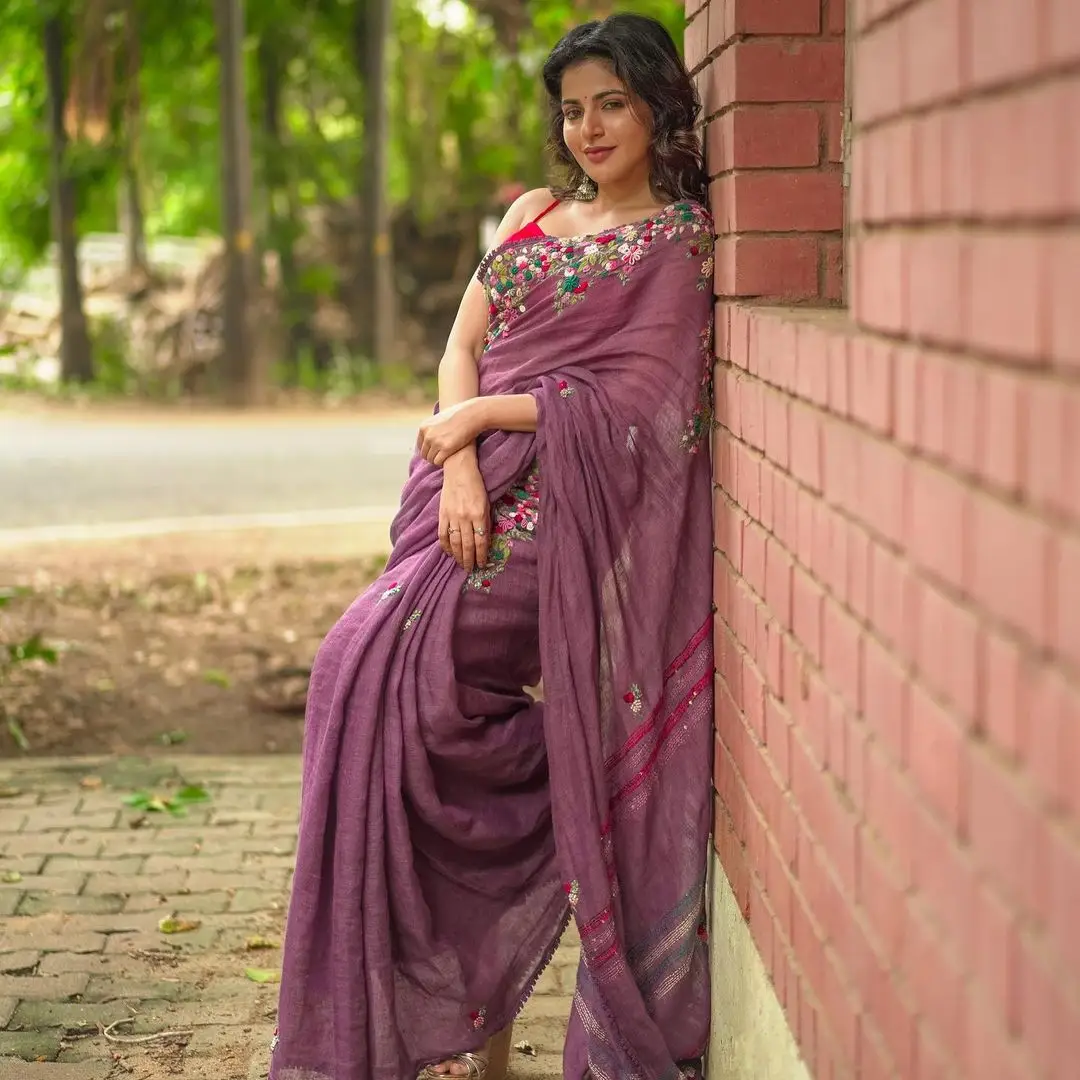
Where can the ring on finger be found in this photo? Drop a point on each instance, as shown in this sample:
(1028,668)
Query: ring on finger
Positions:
(478,530)
(453,530)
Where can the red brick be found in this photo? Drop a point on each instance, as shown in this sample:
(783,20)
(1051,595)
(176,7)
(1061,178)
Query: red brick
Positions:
(1064,310)
(787,201)
(887,697)
(806,445)
(1067,614)
(1004,41)
(907,392)
(1052,454)
(834,133)
(940,524)
(770,17)
(882,899)
(881,285)
(995,956)
(937,298)
(872,384)
(780,136)
(840,375)
(958,157)
(1064,30)
(937,756)
(778,267)
(837,17)
(929,177)
(842,445)
(770,71)
(1008,836)
(697,40)
(833,279)
(1012,568)
(813,343)
(1005,671)
(1027,174)
(1009,294)
(879,73)
(962,413)
(884,501)
(1006,411)
(842,660)
(778,573)
(1053,744)
(1063,900)
(892,599)
(948,651)
(933,58)
(937,982)
(989,1053)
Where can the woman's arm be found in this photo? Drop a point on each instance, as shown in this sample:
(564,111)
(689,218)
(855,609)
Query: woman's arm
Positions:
(459,379)
(505,412)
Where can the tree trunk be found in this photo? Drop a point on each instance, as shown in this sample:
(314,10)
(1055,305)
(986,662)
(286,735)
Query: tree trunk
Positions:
(282,213)
(132,218)
(76,354)
(239,377)
(376,270)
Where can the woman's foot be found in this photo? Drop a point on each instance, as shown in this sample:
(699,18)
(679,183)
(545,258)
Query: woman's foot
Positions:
(491,1063)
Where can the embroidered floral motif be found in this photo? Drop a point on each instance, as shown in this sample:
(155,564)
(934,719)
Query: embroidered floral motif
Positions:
(411,621)
(274,1041)
(510,275)
(699,425)
(632,697)
(478,1018)
(573,891)
(516,515)
(565,389)
(392,590)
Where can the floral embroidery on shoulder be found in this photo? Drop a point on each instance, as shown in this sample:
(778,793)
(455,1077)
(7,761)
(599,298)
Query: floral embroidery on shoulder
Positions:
(411,621)
(516,516)
(633,698)
(565,389)
(510,274)
(697,428)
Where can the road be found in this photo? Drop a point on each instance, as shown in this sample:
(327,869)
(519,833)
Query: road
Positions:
(67,475)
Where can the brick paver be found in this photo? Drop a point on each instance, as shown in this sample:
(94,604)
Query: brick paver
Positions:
(81,895)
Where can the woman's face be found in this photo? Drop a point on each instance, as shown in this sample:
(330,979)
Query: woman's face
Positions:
(606,128)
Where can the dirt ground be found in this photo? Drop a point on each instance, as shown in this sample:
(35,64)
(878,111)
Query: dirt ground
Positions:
(163,654)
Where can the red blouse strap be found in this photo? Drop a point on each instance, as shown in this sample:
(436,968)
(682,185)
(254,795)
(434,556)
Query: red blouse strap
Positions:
(544,213)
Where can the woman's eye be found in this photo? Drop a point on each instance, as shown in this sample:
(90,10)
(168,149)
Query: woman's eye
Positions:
(612,104)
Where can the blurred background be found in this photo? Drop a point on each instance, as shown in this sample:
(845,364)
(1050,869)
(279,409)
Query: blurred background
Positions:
(232,241)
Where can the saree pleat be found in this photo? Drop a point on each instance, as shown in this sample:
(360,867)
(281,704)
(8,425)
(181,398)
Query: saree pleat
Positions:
(449,823)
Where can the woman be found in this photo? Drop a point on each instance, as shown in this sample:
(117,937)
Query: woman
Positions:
(556,520)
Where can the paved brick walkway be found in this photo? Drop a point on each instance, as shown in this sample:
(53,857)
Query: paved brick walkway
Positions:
(81,895)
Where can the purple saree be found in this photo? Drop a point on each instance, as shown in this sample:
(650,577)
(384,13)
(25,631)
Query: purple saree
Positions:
(449,824)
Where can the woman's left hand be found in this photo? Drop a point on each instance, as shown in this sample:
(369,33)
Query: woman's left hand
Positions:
(444,434)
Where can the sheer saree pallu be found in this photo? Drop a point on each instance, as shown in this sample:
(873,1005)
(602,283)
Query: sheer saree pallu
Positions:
(449,824)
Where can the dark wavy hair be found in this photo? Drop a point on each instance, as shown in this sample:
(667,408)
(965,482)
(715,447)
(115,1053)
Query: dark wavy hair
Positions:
(643,57)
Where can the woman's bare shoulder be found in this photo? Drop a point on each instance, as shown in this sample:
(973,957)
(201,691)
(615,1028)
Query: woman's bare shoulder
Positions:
(528,206)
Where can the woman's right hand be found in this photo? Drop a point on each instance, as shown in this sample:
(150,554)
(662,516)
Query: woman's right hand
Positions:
(464,511)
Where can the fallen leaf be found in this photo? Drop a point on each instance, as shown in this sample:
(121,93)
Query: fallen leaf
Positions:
(525,1047)
(10,792)
(91,783)
(172,925)
(258,942)
(11,877)
(261,975)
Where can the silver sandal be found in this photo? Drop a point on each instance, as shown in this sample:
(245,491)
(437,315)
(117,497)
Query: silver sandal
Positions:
(476,1065)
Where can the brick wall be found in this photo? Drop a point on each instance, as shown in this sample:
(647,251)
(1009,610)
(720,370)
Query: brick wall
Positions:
(898,525)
